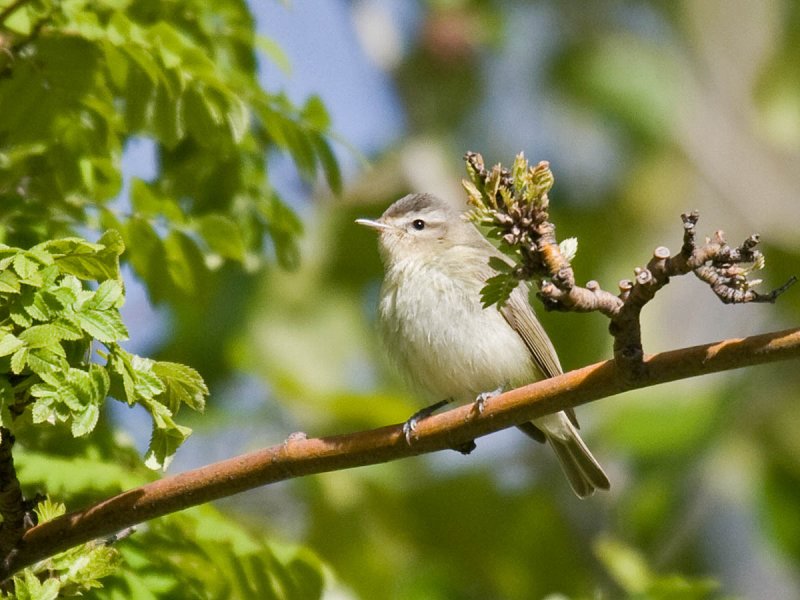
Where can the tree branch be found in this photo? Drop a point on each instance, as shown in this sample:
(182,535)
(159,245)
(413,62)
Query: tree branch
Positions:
(12,504)
(513,205)
(299,456)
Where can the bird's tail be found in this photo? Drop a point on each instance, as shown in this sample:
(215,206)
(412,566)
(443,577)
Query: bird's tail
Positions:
(584,473)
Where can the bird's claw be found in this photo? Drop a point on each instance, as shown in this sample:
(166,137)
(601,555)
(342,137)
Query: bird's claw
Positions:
(484,397)
(410,426)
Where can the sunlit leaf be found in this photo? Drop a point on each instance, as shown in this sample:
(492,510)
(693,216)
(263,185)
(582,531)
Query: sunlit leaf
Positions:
(222,235)
(182,385)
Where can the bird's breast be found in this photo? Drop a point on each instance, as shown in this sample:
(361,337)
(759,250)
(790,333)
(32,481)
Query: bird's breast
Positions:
(441,337)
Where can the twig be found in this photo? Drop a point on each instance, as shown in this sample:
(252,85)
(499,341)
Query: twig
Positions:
(514,206)
(299,456)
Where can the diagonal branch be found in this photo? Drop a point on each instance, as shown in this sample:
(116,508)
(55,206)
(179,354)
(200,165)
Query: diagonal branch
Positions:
(299,456)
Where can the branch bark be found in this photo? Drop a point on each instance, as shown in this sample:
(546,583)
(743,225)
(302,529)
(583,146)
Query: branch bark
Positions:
(12,504)
(299,456)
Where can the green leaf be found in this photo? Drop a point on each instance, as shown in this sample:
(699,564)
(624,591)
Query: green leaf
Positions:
(222,235)
(626,566)
(184,263)
(274,52)
(64,329)
(307,575)
(27,269)
(9,344)
(122,375)
(71,393)
(148,258)
(499,265)
(99,383)
(302,150)
(284,227)
(18,361)
(45,361)
(498,290)
(238,117)
(104,325)
(28,587)
(139,94)
(83,422)
(41,336)
(163,445)
(19,314)
(167,118)
(70,573)
(182,385)
(118,65)
(147,201)
(112,243)
(46,305)
(9,282)
(147,383)
(34,306)
(107,296)
(19,21)
(88,261)
(315,114)
(43,410)
(330,165)
(47,510)
(202,115)
(569,248)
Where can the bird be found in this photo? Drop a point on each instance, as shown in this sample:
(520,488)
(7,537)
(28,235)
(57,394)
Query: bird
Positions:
(447,344)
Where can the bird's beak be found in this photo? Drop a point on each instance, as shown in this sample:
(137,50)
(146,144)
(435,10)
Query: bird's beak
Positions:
(379,225)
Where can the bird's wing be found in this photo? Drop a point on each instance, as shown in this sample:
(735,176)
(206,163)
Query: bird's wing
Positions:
(519,314)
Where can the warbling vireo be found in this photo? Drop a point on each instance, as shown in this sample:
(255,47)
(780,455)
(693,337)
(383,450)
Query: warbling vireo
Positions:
(446,342)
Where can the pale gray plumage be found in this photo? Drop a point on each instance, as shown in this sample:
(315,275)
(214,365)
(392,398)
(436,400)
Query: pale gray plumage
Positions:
(442,338)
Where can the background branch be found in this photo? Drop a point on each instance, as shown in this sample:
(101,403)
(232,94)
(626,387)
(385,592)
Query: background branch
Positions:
(299,456)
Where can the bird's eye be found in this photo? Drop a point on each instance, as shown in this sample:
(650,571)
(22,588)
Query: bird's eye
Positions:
(418,224)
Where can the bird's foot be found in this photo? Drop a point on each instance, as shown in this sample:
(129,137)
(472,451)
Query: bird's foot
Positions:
(484,397)
(411,424)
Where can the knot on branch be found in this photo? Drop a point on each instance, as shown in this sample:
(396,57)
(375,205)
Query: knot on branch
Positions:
(513,205)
